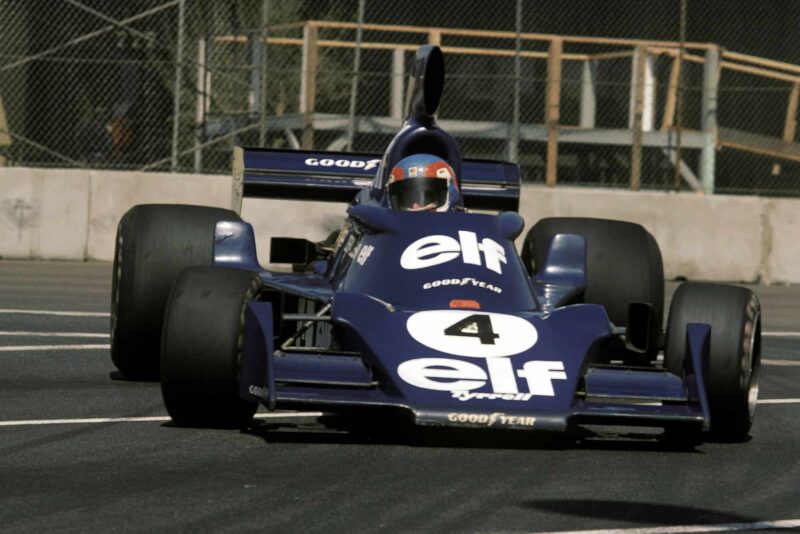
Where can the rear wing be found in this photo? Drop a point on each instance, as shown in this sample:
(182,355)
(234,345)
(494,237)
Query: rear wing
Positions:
(339,176)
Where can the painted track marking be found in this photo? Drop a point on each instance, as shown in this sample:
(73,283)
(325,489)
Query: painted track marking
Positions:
(52,334)
(26,348)
(778,401)
(677,529)
(153,419)
(784,363)
(778,333)
(55,312)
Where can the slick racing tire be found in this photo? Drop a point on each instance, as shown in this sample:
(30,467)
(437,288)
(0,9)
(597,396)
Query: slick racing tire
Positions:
(731,373)
(623,264)
(154,244)
(202,347)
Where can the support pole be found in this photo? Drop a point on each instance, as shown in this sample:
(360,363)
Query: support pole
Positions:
(262,91)
(200,104)
(398,73)
(513,145)
(649,101)
(254,64)
(351,127)
(589,94)
(644,71)
(178,83)
(639,58)
(668,120)
(790,126)
(552,110)
(308,85)
(676,181)
(709,122)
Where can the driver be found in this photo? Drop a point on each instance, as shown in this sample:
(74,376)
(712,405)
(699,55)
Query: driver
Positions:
(422,182)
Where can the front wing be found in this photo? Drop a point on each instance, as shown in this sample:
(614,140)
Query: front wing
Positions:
(339,381)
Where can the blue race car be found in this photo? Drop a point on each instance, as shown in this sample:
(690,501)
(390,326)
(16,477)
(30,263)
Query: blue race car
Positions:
(421,308)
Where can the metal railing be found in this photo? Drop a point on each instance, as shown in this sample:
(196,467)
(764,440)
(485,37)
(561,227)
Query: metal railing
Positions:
(703,133)
(173,85)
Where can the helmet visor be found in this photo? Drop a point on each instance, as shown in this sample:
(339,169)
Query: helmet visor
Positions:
(418,193)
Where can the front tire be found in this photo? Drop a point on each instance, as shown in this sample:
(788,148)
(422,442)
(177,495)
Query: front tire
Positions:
(154,243)
(731,380)
(202,347)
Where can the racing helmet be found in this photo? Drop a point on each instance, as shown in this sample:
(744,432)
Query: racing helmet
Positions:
(422,182)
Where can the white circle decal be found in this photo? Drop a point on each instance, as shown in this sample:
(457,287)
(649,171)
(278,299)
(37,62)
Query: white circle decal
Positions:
(472,333)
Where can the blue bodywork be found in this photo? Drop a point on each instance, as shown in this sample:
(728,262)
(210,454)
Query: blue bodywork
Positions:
(434,314)
(367,302)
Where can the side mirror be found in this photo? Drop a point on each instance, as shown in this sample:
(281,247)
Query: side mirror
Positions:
(640,325)
(291,250)
(562,277)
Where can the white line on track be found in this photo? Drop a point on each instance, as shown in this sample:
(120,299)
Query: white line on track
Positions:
(677,529)
(28,348)
(61,313)
(778,401)
(154,419)
(784,363)
(52,334)
(778,333)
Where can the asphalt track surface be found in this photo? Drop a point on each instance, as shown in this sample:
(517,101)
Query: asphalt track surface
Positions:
(70,462)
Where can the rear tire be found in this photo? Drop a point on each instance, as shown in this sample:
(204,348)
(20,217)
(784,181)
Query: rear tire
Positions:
(731,380)
(623,264)
(154,244)
(202,347)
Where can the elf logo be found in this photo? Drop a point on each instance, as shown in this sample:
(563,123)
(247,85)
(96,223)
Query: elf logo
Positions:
(437,249)
(490,339)
(460,377)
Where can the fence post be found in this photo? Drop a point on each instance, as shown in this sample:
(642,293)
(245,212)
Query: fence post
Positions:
(513,146)
(262,91)
(200,104)
(649,92)
(178,83)
(638,81)
(552,110)
(709,122)
(308,83)
(668,120)
(589,94)
(790,126)
(398,73)
(435,37)
(351,127)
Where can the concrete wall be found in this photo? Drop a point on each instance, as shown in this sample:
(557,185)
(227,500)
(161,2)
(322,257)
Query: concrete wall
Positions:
(43,213)
(701,237)
(112,193)
(72,214)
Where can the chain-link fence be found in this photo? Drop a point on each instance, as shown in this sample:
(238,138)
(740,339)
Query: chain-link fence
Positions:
(619,93)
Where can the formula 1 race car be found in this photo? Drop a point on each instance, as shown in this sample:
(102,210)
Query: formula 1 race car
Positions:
(425,312)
